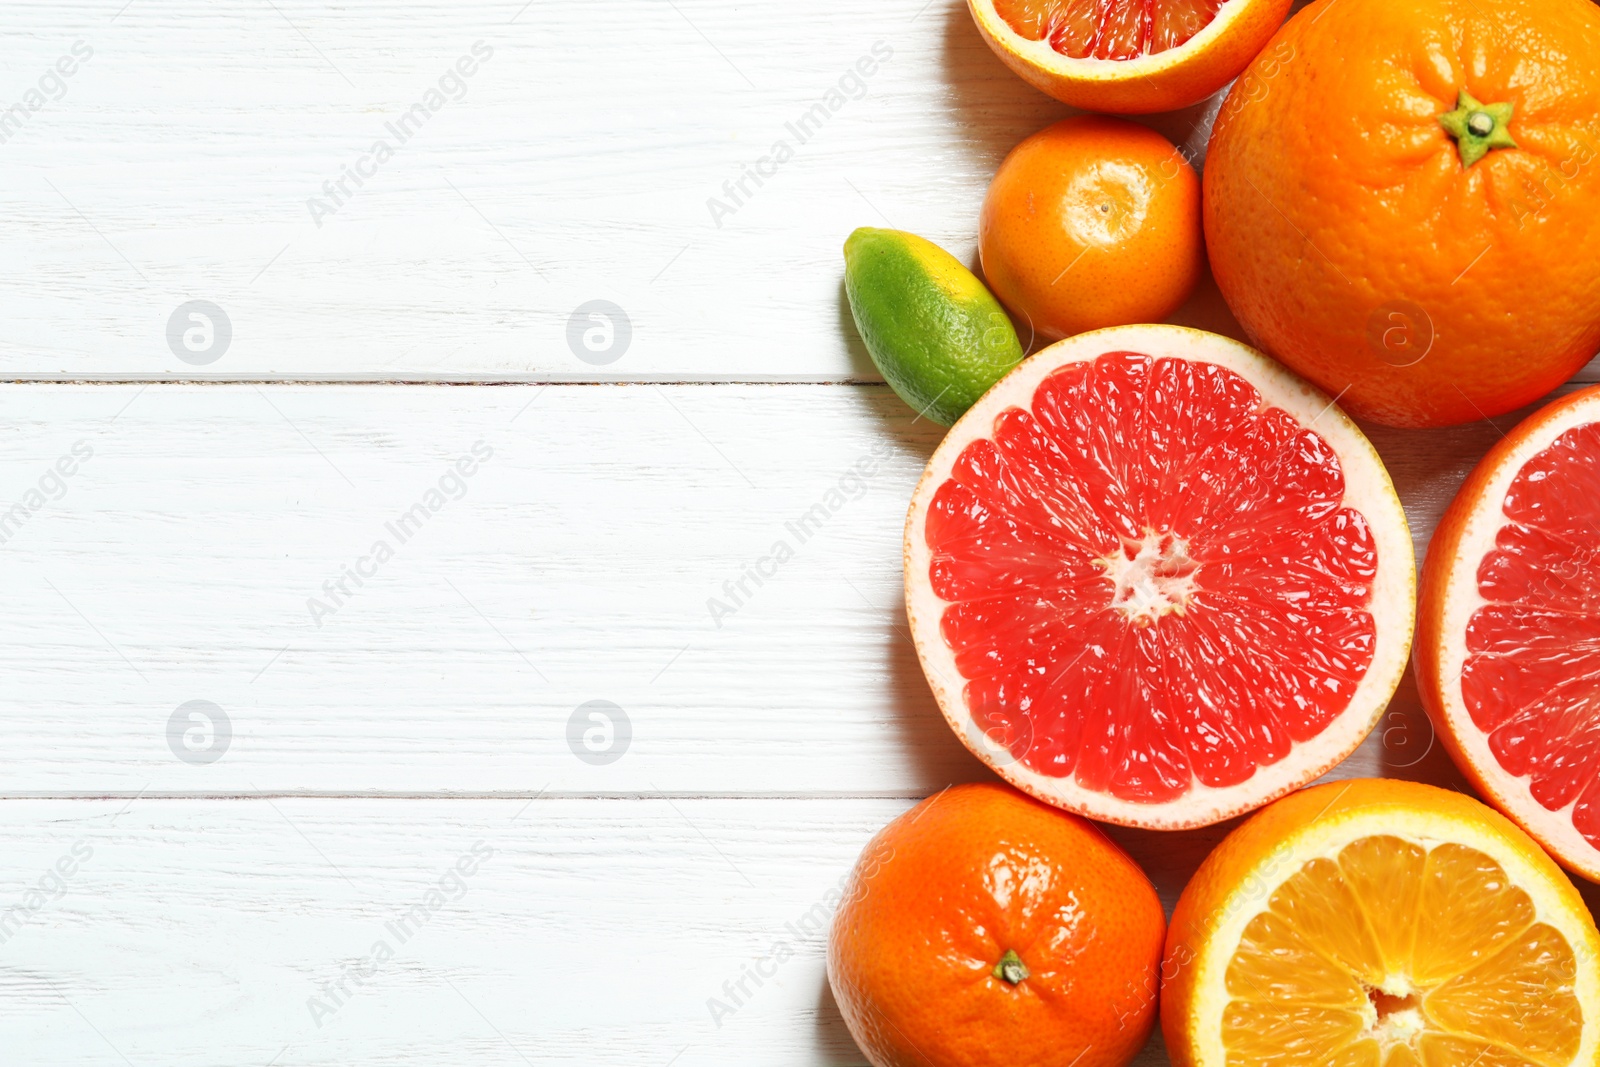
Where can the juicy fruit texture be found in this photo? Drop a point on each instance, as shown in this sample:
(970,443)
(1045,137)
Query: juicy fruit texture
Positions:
(1152,578)
(937,335)
(1393,952)
(1118,29)
(1092,222)
(1426,276)
(1127,56)
(1507,661)
(1377,923)
(984,928)
(1531,681)
(1155,579)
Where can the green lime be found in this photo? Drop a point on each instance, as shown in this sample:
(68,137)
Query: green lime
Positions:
(938,335)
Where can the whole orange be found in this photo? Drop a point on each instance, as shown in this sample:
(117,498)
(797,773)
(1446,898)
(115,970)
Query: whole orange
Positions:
(983,927)
(1401,202)
(1089,223)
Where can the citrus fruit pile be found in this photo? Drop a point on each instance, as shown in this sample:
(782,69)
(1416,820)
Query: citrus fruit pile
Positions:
(1158,578)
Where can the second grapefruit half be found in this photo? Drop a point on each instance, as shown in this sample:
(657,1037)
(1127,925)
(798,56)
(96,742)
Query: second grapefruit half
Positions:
(1155,579)
(1508,638)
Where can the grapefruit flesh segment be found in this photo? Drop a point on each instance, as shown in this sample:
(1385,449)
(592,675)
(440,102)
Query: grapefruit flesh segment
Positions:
(1531,679)
(1394,952)
(1152,578)
(1108,29)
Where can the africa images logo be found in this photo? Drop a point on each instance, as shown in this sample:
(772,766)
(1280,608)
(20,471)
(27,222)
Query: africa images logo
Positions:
(736,192)
(336,192)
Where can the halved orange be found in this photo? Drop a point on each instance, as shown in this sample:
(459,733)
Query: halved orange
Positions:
(1508,643)
(1129,56)
(1380,923)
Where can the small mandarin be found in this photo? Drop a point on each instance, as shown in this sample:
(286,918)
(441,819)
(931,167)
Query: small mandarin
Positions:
(1089,223)
(983,927)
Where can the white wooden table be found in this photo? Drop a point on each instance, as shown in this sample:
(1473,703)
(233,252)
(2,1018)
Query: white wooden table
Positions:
(379,837)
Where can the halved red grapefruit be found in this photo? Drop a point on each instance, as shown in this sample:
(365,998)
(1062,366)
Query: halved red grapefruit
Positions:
(1508,628)
(1131,56)
(1155,579)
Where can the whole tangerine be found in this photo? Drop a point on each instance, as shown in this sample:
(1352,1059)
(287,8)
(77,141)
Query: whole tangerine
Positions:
(985,928)
(1092,222)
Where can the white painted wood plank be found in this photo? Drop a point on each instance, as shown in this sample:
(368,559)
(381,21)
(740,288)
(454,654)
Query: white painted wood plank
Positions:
(575,163)
(578,161)
(576,565)
(195,932)
(199,932)
(187,561)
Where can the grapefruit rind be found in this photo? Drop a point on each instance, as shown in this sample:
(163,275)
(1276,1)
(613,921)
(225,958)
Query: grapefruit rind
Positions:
(1157,81)
(1238,880)
(1449,598)
(1367,489)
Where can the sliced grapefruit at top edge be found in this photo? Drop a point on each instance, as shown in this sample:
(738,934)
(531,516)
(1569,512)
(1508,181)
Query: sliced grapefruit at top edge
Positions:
(1131,56)
(1508,628)
(1155,579)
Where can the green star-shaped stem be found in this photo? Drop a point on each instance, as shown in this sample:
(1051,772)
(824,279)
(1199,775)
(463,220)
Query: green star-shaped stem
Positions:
(1011,969)
(1477,127)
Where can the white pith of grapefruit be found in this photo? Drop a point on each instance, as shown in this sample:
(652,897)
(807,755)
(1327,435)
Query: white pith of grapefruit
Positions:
(1366,489)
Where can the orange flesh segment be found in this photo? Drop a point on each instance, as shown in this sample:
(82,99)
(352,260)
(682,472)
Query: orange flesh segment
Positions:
(1397,954)
(1531,680)
(1108,29)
